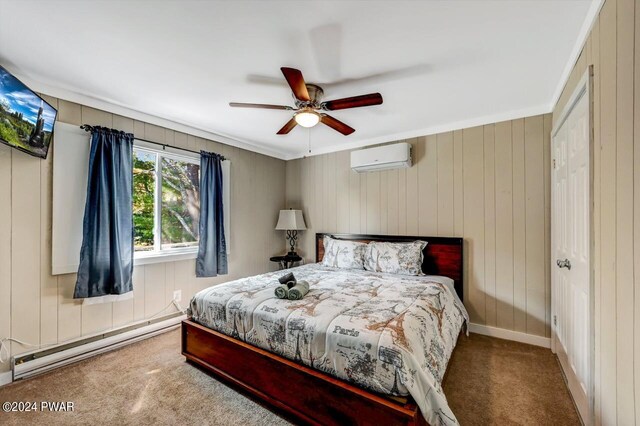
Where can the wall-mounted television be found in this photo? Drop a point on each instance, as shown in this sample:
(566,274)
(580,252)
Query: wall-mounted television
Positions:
(26,120)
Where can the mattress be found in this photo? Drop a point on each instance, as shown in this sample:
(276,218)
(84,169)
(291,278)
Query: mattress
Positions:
(391,334)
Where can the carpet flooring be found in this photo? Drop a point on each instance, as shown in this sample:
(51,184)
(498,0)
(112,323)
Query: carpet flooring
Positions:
(489,382)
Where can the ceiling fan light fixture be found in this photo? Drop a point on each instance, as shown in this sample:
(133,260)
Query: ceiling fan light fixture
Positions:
(307,118)
(308,101)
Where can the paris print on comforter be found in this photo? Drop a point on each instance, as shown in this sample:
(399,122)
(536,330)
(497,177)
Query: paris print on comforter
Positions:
(391,334)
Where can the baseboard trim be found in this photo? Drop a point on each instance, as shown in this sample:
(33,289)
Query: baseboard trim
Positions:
(5,378)
(516,336)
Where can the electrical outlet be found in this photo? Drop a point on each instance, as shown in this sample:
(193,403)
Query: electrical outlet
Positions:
(177,295)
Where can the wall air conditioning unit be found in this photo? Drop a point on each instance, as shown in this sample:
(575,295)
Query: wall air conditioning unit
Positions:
(396,156)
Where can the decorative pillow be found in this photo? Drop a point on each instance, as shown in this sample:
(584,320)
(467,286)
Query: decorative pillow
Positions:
(329,254)
(343,254)
(395,258)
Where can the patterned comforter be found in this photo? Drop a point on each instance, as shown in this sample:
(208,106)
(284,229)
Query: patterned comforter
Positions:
(391,334)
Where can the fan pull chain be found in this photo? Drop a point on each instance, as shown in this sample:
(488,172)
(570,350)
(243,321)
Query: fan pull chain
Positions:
(309,138)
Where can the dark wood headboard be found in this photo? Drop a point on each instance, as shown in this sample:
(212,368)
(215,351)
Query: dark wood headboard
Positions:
(442,255)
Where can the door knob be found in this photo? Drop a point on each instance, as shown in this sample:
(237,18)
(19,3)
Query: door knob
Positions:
(564,263)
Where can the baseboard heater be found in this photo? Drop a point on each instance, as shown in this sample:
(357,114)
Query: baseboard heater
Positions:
(42,360)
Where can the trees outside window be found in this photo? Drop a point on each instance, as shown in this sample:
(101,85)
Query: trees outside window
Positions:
(166,201)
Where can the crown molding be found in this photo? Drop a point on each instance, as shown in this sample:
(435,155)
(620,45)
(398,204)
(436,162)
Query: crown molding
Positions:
(426,131)
(587,25)
(115,108)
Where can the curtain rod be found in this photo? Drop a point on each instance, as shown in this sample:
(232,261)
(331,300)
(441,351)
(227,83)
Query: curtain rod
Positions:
(89,128)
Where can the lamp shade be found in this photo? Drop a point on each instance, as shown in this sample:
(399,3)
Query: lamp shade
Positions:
(290,220)
(307,118)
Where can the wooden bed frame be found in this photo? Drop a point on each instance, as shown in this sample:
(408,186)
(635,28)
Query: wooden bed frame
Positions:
(306,395)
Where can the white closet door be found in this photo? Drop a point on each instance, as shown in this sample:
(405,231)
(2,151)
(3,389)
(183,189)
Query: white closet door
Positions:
(571,252)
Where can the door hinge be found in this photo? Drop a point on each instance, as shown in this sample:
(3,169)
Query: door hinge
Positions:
(554,164)
(555,320)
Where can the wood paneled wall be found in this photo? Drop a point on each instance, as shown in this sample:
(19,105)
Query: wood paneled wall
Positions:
(38,308)
(488,184)
(613,48)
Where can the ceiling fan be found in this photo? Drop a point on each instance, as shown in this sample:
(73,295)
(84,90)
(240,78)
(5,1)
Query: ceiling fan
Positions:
(309,104)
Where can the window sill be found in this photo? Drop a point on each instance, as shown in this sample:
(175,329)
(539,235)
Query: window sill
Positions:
(150,258)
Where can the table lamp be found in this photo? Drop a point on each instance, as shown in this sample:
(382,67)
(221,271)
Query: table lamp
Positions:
(292,222)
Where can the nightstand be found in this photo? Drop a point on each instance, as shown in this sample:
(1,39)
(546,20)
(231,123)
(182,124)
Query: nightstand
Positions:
(286,261)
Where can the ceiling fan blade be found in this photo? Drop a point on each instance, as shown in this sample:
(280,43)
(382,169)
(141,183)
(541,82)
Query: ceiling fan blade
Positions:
(296,82)
(264,106)
(336,124)
(353,102)
(288,127)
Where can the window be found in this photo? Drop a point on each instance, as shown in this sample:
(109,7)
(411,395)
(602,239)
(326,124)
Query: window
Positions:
(156,171)
(166,201)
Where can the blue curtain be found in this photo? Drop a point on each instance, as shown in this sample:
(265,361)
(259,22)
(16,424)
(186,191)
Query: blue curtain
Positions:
(106,256)
(212,250)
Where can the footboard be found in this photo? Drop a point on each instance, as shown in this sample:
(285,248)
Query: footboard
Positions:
(310,396)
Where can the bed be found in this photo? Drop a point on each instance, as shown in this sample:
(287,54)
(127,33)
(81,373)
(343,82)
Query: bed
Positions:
(361,348)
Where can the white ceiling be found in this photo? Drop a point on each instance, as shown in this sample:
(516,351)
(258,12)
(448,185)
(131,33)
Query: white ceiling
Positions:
(439,65)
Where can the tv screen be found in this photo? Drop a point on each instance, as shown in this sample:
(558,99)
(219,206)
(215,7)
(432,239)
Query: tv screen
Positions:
(26,120)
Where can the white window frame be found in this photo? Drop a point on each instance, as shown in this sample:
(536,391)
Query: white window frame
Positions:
(173,254)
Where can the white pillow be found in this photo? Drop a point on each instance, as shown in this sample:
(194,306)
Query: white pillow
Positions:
(343,254)
(395,258)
